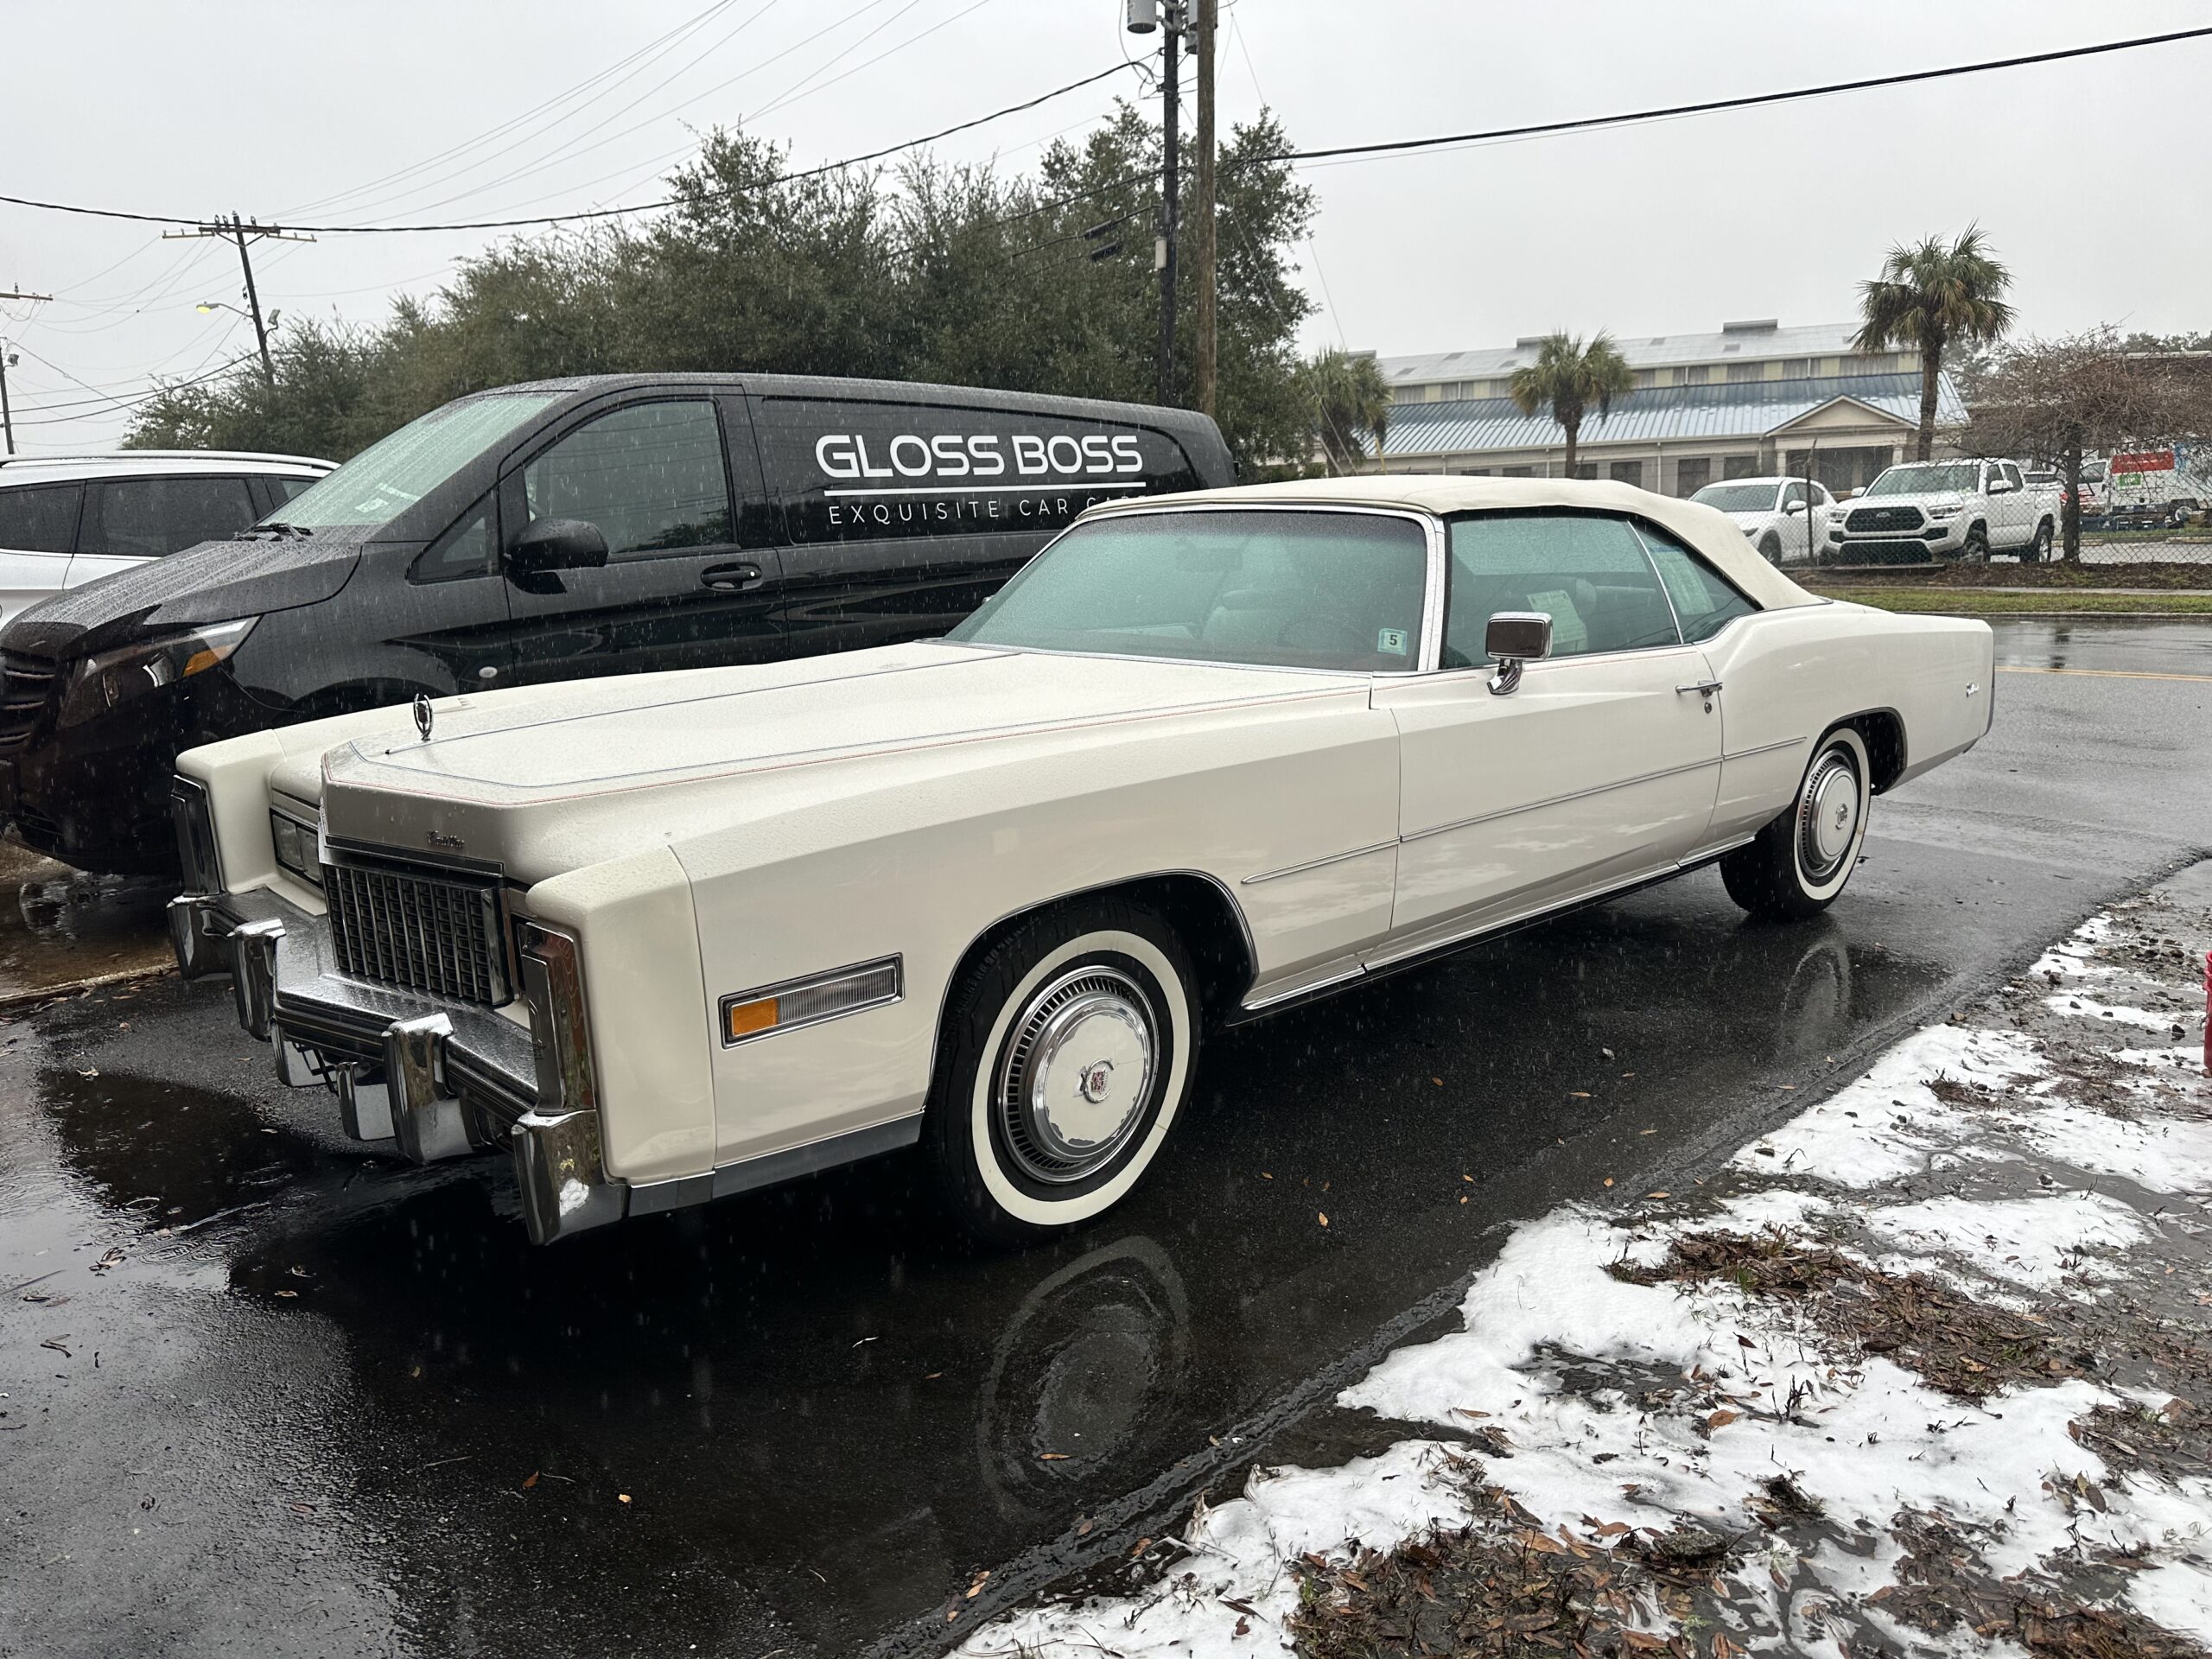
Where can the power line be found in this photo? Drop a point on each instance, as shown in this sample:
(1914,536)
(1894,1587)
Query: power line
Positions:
(123,407)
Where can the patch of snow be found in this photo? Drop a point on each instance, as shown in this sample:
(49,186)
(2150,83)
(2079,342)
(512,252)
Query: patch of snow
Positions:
(2163,1155)
(2070,957)
(2033,1243)
(2084,1008)
(1888,1123)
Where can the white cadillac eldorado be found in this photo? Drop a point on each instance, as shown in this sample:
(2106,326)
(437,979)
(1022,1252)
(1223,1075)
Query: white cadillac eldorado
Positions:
(676,935)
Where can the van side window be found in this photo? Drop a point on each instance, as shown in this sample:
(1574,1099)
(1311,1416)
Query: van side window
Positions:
(1703,599)
(39,518)
(464,550)
(851,470)
(650,476)
(152,518)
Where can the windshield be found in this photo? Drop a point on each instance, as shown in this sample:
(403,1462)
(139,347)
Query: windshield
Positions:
(1930,478)
(1739,498)
(1289,589)
(398,470)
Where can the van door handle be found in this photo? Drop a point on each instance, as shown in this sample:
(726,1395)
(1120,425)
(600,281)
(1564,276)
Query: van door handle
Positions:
(730,578)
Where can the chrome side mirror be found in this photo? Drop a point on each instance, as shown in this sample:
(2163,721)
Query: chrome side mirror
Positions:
(1512,639)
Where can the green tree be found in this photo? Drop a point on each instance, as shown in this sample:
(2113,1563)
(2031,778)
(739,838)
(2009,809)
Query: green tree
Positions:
(1570,379)
(1930,297)
(1351,406)
(960,275)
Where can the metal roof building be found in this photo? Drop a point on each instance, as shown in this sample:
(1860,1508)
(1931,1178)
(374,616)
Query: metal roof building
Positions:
(1753,399)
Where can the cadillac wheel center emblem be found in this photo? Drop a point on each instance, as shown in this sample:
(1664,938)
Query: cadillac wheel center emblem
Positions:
(1097,1078)
(422,717)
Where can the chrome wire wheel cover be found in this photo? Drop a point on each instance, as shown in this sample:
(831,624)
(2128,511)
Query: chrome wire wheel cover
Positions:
(1075,1074)
(1828,809)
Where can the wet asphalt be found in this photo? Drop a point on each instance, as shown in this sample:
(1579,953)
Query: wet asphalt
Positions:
(267,1394)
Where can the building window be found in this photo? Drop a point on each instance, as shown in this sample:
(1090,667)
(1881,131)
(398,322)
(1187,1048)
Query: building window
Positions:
(1474,472)
(1692,473)
(1584,469)
(1739,372)
(1696,374)
(1646,377)
(1739,466)
(1873,362)
(1628,472)
(1843,468)
(1516,472)
(1796,368)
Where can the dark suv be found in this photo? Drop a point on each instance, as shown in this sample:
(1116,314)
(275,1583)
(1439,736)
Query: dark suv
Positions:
(606,526)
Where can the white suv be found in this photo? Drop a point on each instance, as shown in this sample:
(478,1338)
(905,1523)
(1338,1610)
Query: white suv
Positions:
(66,520)
(1785,518)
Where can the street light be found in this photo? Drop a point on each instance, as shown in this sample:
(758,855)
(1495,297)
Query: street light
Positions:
(206,306)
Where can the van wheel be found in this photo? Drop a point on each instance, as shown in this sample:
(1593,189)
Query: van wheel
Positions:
(1801,861)
(1068,1050)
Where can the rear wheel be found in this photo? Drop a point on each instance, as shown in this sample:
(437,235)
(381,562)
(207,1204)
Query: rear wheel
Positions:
(1801,861)
(1068,1050)
(2038,549)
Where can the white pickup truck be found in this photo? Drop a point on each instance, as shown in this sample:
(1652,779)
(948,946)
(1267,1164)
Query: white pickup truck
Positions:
(1942,510)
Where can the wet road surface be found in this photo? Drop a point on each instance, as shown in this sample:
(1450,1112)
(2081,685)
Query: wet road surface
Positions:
(281,1396)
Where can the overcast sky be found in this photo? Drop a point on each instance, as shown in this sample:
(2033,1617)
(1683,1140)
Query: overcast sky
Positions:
(2092,178)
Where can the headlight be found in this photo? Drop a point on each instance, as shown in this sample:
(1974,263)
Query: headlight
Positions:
(1941,512)
(114,678)
(298,850)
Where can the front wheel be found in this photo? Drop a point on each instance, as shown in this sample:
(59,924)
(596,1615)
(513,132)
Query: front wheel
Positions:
(1798,863)
(1068,1050)
(1770,549)
(1975,549)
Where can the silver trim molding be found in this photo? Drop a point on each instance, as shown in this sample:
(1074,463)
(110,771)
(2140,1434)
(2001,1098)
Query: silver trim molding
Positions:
(1317,863)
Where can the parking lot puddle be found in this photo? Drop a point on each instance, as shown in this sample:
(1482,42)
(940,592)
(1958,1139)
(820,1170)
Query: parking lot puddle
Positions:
(61,929)
(1924,1371)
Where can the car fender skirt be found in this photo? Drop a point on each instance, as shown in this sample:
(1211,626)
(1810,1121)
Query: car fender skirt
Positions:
(646,1007)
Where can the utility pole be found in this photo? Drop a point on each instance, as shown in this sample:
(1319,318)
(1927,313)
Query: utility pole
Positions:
(244,232)
(1208,21)
(7,362)
(1170,210)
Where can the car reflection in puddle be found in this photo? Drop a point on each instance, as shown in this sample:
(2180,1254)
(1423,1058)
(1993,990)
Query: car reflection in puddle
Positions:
(67,928)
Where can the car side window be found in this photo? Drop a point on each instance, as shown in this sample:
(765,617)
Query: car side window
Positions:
(284,488)
(650,476)
(152,518)
(2012,475)
(1793,496)
(1704,601)
(1588,573)
(39,518)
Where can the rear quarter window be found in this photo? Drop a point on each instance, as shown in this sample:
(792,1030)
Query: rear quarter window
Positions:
(855,470)
(39,517)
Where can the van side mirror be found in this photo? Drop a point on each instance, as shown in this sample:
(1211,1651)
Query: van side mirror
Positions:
(1512,639)
(557,544)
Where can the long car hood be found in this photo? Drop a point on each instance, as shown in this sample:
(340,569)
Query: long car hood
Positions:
(215,582)
(545,780)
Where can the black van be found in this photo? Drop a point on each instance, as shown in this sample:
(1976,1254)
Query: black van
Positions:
(611,524)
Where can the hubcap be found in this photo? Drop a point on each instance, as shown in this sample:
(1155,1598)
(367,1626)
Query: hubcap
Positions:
(1077,1072)
(1827,816)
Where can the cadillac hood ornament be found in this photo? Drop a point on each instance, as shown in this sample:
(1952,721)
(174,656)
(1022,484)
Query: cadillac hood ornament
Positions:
(422,717)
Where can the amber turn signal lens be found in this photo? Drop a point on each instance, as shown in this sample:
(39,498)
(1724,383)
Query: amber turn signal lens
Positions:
(744,1019)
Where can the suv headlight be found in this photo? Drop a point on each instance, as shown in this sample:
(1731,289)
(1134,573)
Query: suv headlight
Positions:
(114,678)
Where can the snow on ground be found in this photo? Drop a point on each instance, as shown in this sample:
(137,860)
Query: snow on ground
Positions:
(1962,1154)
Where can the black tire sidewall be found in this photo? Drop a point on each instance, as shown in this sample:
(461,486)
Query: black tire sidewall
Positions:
(1767,878)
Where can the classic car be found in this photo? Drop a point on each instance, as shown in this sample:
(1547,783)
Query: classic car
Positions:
(675,936)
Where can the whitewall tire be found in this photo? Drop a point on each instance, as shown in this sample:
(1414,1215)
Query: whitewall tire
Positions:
(1798,863)
(1066,1054)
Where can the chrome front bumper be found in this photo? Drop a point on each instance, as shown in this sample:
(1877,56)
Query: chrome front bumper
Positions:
(438,1079)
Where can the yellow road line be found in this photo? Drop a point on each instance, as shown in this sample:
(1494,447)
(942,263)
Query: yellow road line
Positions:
(2099,673)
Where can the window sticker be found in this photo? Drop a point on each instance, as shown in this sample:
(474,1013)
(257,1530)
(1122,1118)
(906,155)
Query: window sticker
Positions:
(1391,642)
(1570,634)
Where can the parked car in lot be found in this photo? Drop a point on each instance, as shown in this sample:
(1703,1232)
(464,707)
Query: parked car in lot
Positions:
(1931,509)
(592,526)
(676,935)
(1786,519)
(66,520)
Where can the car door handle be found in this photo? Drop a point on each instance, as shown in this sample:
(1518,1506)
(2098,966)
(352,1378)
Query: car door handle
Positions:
(1703,688)
(730,578)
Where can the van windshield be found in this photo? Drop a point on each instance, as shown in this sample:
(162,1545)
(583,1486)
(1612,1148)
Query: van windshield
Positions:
(1283,588)
(400,469)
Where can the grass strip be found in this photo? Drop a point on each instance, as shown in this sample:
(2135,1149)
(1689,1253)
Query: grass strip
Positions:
(1968,601)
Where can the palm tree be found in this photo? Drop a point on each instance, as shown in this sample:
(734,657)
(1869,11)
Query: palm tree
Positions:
(1928,296)
(1351,401)
(1567,378)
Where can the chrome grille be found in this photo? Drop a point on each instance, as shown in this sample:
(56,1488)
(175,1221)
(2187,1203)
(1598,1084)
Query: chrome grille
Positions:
(423,929)
(25,684)
(1883,518)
